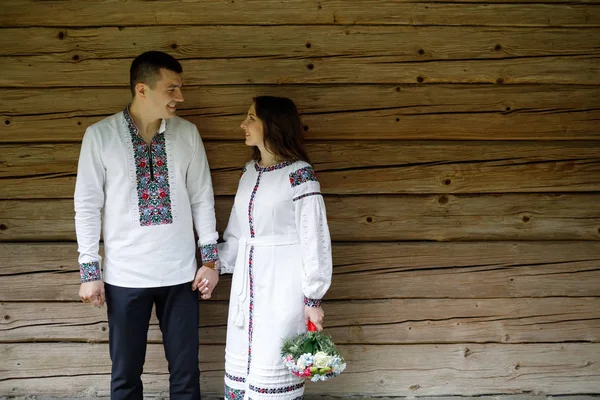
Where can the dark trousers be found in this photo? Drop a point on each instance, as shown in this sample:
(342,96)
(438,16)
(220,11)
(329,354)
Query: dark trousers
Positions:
(129,312)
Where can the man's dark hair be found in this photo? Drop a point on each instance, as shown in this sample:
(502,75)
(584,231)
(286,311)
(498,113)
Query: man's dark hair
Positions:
(146,68)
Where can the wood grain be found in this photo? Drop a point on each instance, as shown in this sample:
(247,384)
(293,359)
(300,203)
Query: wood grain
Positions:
(84,71)
(354,12)
(352,167)
(472,270)
(394,321)
(405,43)
(568,368)
(376,218)
(372,112)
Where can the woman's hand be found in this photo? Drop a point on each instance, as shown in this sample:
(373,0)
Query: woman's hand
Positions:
(315,315)
(205,281)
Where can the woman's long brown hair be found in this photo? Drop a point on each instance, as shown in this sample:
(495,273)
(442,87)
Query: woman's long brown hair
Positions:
(282,128)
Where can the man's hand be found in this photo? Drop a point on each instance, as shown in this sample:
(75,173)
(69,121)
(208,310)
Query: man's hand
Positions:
(92,292)
(315,315)
(205,281)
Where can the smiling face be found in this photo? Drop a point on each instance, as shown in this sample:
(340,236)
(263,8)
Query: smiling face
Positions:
(162,97)
(253,127)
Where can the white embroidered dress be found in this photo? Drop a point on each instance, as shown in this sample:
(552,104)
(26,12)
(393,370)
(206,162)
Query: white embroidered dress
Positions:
(278,247)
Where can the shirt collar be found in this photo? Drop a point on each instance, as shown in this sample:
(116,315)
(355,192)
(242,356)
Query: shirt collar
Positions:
(133,129)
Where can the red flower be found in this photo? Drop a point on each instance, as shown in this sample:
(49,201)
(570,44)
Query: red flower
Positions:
(159,163)
(143,164)
(145,196)
(162,194)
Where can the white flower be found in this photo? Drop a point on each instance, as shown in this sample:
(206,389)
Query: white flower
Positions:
(300,364)
(322,360)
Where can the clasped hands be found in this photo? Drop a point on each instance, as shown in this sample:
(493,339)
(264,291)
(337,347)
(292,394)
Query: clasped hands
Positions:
(205,281)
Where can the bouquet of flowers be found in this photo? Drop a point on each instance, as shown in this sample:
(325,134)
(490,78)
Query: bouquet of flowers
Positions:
(312,355)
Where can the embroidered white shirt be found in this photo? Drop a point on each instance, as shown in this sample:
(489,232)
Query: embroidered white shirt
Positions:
(146,199)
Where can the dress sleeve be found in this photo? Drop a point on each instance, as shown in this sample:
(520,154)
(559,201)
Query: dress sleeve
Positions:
(200,190)
(311,224)
(229,248)
(89,202)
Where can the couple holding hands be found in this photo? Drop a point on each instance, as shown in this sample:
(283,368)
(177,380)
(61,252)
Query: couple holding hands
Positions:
(144,181)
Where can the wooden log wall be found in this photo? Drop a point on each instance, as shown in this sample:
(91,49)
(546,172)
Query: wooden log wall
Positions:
(457,143)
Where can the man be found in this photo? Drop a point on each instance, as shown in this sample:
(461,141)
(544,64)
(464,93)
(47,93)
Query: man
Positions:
(144,178)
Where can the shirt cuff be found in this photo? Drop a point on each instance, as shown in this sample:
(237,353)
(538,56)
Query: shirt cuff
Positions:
(312,302)
(209,253)
(90,271)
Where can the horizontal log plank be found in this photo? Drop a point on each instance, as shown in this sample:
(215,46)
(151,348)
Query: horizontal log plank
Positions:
(48,171)
(82,71)
(322,99)
(17,258)
(569,368)
(289,41)
(49,271)
(398,321)
(313,396)
(376,218)
(355,12)
(493,112)
(568,279)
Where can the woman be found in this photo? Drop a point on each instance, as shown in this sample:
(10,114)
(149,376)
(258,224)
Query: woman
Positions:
(278,247)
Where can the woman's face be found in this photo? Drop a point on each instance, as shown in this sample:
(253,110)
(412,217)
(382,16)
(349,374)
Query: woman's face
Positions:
(253,127)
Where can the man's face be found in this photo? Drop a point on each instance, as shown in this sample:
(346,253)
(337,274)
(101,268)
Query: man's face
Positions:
(165,95)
